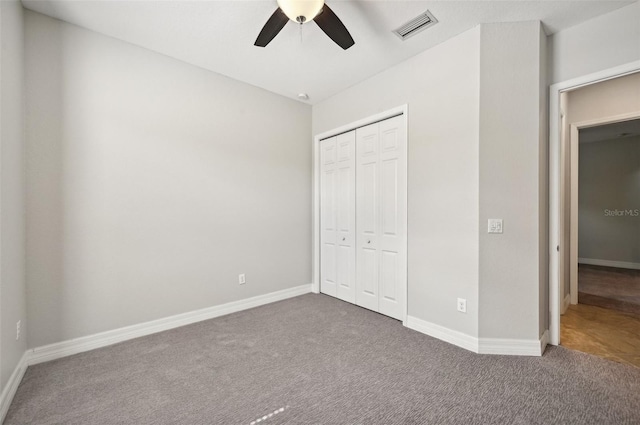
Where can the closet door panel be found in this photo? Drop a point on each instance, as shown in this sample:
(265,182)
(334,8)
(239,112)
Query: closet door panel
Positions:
(328,270)
(389,240)
(369,275)
(368,199)
(389,276)
(389,197)
(328,221)
(346,218)
(393,238)
(363,217)
(367,217)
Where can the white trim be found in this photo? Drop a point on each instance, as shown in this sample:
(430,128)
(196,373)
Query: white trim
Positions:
(573,211)
(11,387)
(103,339)
(315,242)
(555,280)
(513,347)
(402,110)
(609,263)
(565,303)
(606,120)
(460,339)
(502,346)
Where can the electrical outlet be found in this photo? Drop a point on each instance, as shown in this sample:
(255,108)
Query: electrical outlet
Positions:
(462,305)
(241,279)
(18,330)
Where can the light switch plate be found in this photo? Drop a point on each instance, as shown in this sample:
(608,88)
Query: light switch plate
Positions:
(495,225)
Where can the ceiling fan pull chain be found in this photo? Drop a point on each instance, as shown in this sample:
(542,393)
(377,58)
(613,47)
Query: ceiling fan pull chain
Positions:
(300,32)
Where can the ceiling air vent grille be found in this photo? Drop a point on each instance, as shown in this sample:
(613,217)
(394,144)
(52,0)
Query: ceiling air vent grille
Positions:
(416,25)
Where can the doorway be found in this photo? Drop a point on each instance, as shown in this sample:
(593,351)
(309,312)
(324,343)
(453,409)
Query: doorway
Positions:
(603,317)
(558,238)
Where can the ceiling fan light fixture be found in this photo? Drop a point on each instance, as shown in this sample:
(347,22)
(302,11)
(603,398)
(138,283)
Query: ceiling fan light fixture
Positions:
(301,11)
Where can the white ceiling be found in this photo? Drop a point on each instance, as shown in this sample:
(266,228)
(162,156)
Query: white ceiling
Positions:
(219,35)
(607,132)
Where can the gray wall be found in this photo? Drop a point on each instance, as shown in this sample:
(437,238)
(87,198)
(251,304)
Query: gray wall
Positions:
(609,179)
(497,170)
(441,89)
(477,150)
(12,226)
(145,174)
(543,183)
(601,43)
(152,184)
(513,270)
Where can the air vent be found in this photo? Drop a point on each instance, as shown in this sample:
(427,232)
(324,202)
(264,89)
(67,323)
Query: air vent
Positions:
(416,25)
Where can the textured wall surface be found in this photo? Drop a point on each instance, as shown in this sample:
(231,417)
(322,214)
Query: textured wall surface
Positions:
(12,226)
(152,184)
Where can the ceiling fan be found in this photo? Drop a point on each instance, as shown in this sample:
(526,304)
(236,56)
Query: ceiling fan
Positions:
(302,11)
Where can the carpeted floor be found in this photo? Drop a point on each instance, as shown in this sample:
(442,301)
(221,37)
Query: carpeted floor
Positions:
(316,360)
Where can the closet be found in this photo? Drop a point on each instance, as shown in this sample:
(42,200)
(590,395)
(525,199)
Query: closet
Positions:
(363,227)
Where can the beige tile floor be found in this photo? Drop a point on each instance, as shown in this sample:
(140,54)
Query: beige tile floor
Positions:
(601,331)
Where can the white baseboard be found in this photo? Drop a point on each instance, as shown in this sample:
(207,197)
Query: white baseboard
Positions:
(609,263)
(513,347)
(460,339)
(9,391)
(565,303)
(103,339)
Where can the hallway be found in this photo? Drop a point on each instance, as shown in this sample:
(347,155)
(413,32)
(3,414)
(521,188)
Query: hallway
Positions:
(609,287)
(603,332)
(606,322)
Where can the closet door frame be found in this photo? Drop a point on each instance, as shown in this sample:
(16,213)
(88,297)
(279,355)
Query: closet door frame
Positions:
(400,111)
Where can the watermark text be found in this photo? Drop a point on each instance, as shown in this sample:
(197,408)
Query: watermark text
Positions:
(622,213)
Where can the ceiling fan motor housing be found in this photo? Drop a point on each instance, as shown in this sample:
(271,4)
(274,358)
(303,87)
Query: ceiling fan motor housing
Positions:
(301,11)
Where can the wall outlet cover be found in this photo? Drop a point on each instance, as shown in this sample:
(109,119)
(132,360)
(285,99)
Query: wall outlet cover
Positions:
(462,305)
(495,225)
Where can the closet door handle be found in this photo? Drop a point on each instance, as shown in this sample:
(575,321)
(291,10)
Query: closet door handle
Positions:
(343,239)
(369,241)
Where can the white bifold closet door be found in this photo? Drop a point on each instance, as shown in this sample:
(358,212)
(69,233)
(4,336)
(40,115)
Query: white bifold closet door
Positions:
(337,218)
(363,217)
(381,216)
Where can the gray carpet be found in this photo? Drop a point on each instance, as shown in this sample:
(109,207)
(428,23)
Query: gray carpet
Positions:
(316,360)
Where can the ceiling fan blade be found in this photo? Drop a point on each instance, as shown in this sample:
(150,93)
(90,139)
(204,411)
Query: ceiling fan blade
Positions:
(276,22)
(334,28)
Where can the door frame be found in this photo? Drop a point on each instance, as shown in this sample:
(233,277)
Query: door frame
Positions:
(403,112)
(575,173)
(556,211)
